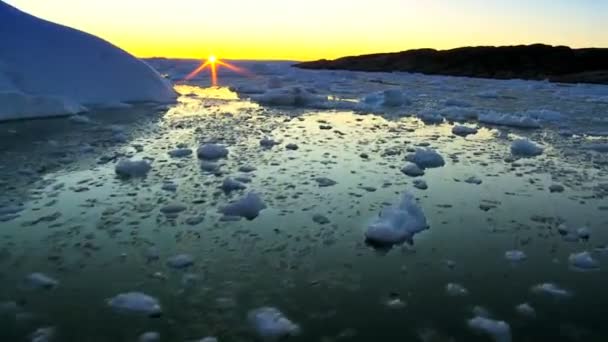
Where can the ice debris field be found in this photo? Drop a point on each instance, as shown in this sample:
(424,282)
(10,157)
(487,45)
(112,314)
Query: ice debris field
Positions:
(310,206)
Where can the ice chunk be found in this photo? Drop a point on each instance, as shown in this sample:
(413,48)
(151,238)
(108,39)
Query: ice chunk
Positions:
(212,152)
(473,180)
(397,224)
(525,310)
(40,281)
(584,233)
(454,289)
(525,148)
(325,182)
(583,261)
(42,334)
(270,324)
(150,336)
(500,331)
(387,98)
(208,339)
(463,131)
(420,184)
(290,97)
(180,261)
(515,256)
(501,119)
(132,168)
(229,185)
(248,207)
(267,142)
(136,302)
(180,152)
(426,158)
(412,170)
(551,289)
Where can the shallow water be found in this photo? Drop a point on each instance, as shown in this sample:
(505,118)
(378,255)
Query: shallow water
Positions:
(90,230)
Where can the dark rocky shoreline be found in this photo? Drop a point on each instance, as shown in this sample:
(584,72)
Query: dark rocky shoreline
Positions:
(530,62)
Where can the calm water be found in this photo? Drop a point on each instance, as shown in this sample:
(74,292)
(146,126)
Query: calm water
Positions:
(88,229)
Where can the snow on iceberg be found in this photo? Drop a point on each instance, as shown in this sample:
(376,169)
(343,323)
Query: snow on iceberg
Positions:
(397,224)
(135,302)
(270,324)
(500,331)
(48,69)
(525,148)
(501,119)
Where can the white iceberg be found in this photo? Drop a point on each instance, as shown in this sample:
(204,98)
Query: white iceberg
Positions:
(500,331)
(270,324)
(525,148)
(397,224)
(48,69)
(135,302)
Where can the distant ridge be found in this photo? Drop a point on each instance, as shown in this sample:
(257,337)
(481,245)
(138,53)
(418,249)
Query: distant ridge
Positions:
(530,62)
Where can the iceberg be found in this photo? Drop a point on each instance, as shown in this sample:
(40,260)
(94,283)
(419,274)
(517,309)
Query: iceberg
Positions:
(397,224)
(47,69)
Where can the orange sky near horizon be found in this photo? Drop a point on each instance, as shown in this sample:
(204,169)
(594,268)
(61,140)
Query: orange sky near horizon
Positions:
(314,29)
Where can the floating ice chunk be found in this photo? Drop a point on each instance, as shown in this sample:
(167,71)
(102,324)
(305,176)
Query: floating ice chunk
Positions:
(463,131)
(180,261)
(180,152)
(473,180)
(208,339)
(458,113)
(420,184)
(583,261)
(152,253)
(430,118)
(583,233)
(136,302)
(42,334)
(525,310)
(556,188)
(270,324)
(455,290)
(525,148)
(229,185)
(488,94)
(267,142)
(80,119)
(212,152)
(325,182)
(412,170)
(150,336)
(132,168)
(397,224)
(426,158)
(386,98)
(500,331)
(551,289)
(394,302)
(172,209)
(248,207)
(515,256)
(501,119)
(40,281)
(292,147)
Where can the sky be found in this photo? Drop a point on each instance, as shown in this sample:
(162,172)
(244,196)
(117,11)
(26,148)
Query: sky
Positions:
(314,29)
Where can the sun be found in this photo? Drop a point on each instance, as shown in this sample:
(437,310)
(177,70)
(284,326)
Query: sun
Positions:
(213,63)
(212,59)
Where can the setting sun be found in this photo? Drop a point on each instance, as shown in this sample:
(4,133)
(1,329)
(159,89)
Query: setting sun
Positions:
(212,59)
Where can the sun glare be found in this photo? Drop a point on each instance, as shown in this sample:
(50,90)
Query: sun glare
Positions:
(212,59)
(213,63)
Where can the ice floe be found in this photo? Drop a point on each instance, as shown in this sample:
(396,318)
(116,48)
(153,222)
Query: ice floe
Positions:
(500,331)
(463,131)
(212,152)
(583,261)
(412,170)
(136,302)
(132,168)
(397,224)
(248,207)
(551,289)
(502,119)
(270,324)
(525,148)
(426,158)
(229,185)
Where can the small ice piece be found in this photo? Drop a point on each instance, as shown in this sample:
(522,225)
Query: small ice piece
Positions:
(212,152)
(135,302)
(40,281)
(395,303)
(525,148)
(583,261)
(150,336)
(551,289)
(229,185)
(556,188)
(208,339)
(412,170)
(420,184)
(426,158)
(394,98)
(44,334)
(152,253)
(80,119)
(456,290)
(473,180)
(525,310)
(209,166)
(172,208)
(189,279)
(267,142)
(180,152)
(292,147)
(325,182)
(515,256)
(132,168)
(248,207)
(397,224)
(500,331)
(180,261)
(270,324)
(584,233)
(463,131)
(430,118)
(499,119)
